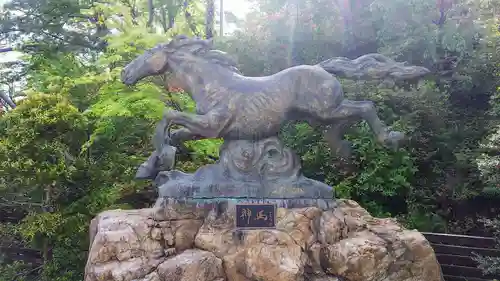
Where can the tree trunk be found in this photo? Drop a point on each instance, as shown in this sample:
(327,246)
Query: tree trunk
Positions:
(47,208)
(164,25)
(151,15)
(209,19)
(221,18)
(293,12)
(189,18)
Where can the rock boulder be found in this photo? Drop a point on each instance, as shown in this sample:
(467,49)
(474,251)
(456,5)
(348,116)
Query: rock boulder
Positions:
(184,243)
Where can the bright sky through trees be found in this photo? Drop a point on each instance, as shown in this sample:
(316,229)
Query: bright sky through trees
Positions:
(238,7)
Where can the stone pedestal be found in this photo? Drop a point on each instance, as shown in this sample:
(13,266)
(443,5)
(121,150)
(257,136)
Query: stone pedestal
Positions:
(183,242)
(246,169)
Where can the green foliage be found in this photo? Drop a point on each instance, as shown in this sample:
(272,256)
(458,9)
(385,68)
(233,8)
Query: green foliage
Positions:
(41,165)
(489,160)
(48,21)
(489,163)
(374,174)
(15,269)
(43,135)
(71,149)
(490,265)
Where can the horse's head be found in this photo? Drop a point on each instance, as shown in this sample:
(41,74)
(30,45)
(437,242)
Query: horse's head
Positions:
(153,62)
(168,57)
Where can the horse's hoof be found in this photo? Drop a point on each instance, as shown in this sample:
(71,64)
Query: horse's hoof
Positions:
(167,158)
(145,172)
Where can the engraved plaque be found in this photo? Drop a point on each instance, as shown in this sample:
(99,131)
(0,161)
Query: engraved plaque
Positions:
(256,215)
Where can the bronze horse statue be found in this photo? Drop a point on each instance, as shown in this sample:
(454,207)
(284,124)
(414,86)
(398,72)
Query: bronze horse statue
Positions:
(232,106)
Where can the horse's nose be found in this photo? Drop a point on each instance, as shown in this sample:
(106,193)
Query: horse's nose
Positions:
(123,74)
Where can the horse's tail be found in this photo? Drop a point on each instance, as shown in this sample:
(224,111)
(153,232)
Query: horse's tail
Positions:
(373,67)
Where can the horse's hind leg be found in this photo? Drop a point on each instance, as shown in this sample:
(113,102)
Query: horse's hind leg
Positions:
(349,112)
(334,137)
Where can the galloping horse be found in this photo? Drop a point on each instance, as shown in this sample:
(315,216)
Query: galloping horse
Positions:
(232,106)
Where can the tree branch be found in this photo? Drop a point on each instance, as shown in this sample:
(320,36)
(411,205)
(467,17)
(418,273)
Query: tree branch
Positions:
(151,15)
(189,18)
(28,272)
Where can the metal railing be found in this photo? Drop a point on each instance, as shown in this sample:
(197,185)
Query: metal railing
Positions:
(455,254)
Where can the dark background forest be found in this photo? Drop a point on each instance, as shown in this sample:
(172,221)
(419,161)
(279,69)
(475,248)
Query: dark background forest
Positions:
(70,147)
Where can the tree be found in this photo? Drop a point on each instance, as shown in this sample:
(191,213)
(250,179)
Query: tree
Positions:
(11,80)
(210,18)
(88,138)
(55,25)
(38,163)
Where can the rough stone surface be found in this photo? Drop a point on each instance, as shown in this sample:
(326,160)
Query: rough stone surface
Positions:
(189,243)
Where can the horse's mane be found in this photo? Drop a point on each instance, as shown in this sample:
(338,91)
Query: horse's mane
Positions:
(203,49)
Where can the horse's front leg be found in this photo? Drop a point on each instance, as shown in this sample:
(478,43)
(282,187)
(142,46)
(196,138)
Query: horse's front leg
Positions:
(179,136)
(165,144)
(163,158)
(156,161)
(195,127)
(208,126)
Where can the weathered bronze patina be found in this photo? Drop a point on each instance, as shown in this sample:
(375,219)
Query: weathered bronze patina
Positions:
(247,111)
